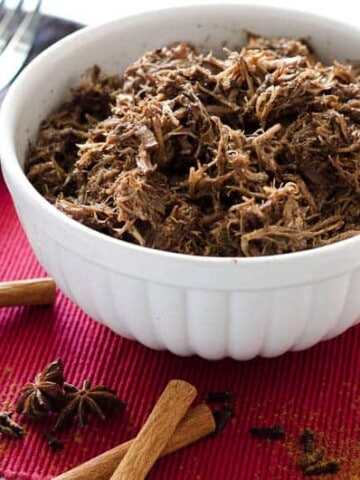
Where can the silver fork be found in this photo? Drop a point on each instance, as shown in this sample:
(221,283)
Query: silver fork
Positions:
(18,27)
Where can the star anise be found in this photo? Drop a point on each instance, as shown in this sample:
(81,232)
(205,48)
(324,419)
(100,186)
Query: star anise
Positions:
(45,394)
(8,427)
(87,400)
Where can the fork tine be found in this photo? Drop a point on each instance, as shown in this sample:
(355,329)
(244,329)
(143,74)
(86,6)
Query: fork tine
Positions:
(7,23)
(18,48)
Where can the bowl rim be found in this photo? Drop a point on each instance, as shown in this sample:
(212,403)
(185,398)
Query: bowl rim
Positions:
(15,176)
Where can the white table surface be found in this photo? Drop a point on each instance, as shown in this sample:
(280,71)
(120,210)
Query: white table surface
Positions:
(94,12)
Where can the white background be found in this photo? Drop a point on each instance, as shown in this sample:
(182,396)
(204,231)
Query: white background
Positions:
(98,11)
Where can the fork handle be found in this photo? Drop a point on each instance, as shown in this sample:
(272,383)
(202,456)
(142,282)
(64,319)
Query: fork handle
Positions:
(38,291)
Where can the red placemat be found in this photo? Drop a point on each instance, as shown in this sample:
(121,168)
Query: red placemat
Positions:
(319,389)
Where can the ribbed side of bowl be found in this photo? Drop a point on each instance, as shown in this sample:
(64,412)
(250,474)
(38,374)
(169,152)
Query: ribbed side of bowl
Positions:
(211,323)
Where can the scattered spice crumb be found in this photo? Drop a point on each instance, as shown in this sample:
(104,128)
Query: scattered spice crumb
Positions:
(7,370)
(307,439)
(272,433)
(54,443)
(322,468)
(78,438)
(222,417)
(312,458)
(219,397)
(3,448)
(9,427)
(312,462)
(223,410)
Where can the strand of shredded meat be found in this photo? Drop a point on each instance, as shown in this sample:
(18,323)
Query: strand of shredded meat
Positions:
(257,153)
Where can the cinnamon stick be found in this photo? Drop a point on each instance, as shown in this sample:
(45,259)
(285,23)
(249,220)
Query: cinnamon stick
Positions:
(39,291)
(196,424)
(156,432)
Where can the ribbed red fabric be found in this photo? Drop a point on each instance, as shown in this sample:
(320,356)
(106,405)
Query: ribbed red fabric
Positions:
(319,388)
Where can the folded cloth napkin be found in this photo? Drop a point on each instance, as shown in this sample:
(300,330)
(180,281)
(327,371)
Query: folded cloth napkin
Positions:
(318,389)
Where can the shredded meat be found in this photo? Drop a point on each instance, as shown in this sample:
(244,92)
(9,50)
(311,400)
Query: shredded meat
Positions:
(256,153)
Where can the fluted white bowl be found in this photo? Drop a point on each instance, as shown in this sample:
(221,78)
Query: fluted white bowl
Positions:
(213,307)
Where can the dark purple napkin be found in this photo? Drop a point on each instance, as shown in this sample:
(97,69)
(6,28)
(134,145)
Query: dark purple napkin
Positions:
(51,29)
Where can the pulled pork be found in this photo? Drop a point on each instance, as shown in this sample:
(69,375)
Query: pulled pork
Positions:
(254,154)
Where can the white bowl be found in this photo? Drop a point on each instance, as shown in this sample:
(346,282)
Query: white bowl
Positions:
(213,307)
